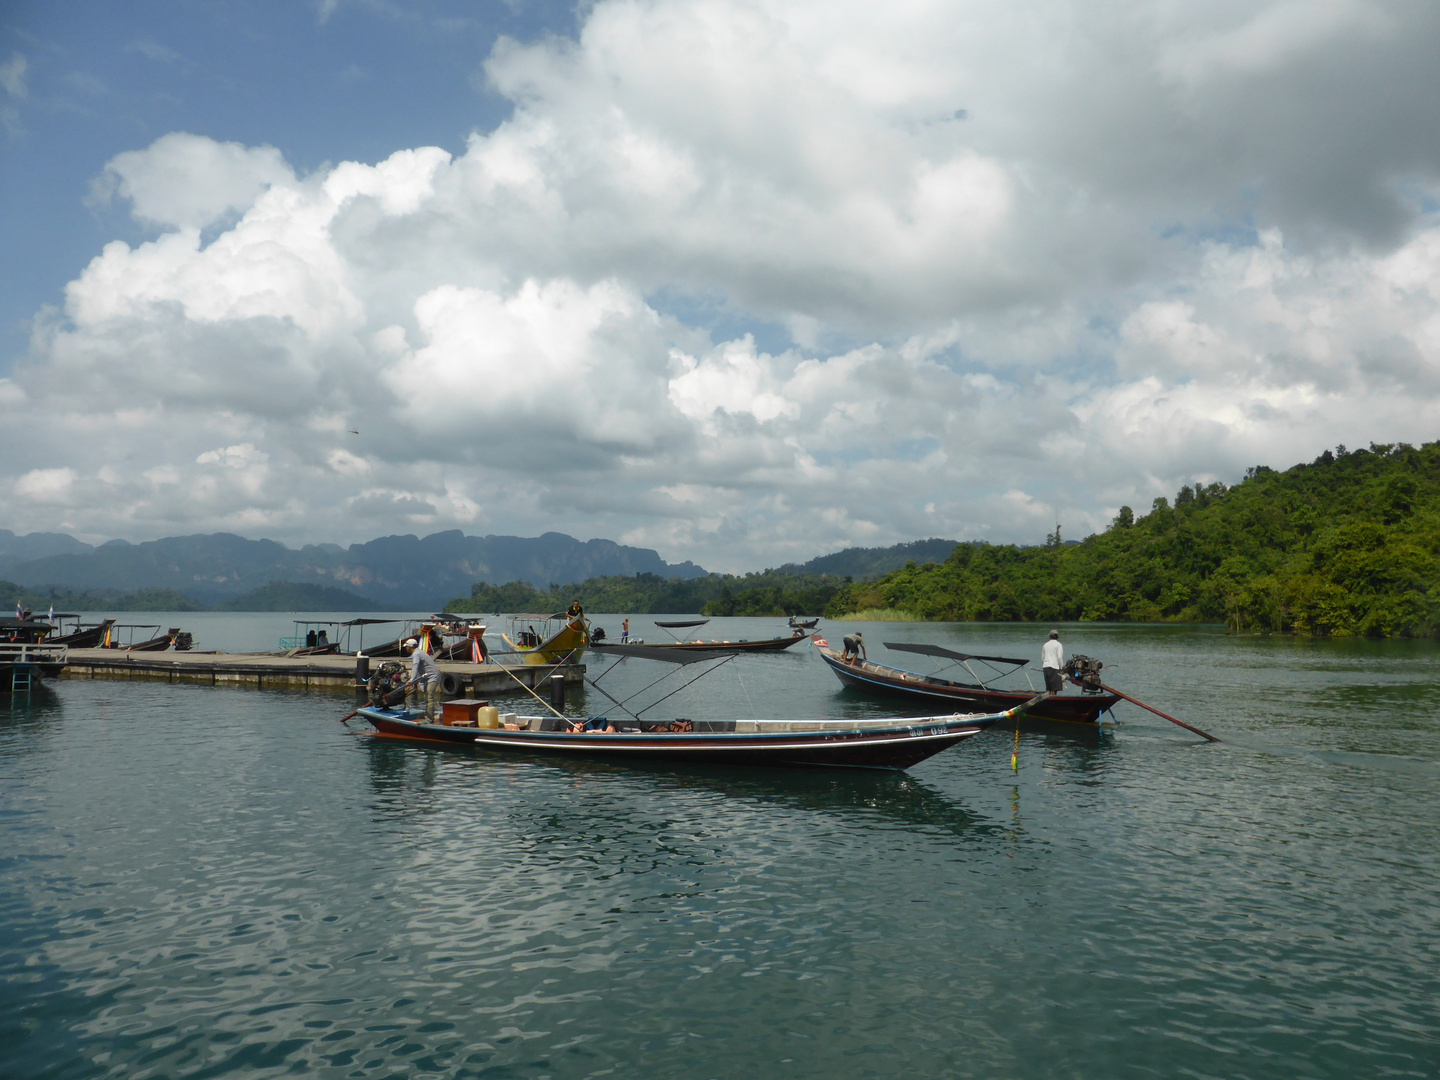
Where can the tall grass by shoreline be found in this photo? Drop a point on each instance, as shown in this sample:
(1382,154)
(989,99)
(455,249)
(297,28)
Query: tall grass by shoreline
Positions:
(878,615)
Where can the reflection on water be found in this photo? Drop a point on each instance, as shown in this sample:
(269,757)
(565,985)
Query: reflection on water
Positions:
(402,775)
(227,883)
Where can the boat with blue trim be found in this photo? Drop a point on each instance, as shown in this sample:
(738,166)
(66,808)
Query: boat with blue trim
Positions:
(881,680)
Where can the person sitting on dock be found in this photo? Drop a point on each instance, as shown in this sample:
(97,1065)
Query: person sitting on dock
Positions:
(424,676)
(1052,661)
(854,647)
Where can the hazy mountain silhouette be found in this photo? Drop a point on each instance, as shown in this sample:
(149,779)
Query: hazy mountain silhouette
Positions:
(395,571)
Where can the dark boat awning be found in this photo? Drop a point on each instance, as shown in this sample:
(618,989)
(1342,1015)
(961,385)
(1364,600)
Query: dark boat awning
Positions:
(936,650)
(683,624)
(660,652)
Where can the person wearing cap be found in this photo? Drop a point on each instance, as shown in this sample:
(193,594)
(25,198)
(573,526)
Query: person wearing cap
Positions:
(1052,662)
(424,676)
(854,647)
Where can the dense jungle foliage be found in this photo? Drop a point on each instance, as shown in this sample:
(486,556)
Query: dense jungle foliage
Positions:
(298,596)
(769,593)
(42,599)
(1346,545)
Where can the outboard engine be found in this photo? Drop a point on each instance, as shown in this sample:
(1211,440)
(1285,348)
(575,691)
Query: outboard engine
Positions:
(1085,671)
(383,684)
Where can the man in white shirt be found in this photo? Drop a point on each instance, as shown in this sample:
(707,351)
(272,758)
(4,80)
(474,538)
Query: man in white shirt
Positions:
(424,676)
(1052,662)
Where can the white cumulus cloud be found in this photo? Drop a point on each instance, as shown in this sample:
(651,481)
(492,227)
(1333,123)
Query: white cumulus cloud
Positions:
(1032,263)
(189,181)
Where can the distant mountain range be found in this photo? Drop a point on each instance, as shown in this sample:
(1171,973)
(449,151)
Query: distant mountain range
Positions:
(228,572)
(399,572)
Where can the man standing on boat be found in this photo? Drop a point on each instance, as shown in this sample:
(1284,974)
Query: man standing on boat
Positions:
(625,632)
(424,675)
(1052,662)
(854,647)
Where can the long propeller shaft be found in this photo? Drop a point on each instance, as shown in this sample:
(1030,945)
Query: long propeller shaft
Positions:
(1157,712)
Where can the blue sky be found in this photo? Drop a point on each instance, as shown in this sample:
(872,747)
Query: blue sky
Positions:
(742,280)
(356,82)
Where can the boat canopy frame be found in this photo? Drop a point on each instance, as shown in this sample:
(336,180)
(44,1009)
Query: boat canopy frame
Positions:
(963,659)
(676,657)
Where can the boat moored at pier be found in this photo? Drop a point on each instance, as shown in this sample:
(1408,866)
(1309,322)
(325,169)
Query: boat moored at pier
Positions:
(69,631)
(26,657)
(548,639)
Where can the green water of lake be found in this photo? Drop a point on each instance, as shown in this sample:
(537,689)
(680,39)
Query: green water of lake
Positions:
(224,882)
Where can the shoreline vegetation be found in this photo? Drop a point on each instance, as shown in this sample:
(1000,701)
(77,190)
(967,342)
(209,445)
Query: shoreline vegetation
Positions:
(878,615)
(1345,546)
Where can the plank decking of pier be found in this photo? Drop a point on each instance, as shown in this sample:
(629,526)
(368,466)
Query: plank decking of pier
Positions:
(270,669)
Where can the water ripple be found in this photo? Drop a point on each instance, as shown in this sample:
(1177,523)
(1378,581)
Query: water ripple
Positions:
(214,883)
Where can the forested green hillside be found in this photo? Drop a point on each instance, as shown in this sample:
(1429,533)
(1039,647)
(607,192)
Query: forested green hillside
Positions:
(298,596)
(792,589)
(42,600)
(1346,545)
(769,593)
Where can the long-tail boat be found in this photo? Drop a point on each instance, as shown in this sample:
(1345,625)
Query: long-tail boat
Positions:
(312,638)
(881,680)
(762,645)
(25,656)
(869,744)
(80,637)
(560,639)
(156,643)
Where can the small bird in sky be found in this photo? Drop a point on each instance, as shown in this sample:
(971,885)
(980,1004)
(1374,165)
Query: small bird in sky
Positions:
(352,431)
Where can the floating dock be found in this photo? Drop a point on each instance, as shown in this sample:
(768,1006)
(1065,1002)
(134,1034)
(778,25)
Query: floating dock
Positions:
(273,670)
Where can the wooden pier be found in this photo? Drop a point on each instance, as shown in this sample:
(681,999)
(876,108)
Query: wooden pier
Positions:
(273,670)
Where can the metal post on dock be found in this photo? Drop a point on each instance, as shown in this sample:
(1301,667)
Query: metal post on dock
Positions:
(557,692)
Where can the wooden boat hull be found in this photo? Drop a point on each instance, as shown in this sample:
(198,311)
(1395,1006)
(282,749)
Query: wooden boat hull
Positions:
(156,644)
(865,744)
(879,680)
(330,648)
(764,645)
(566,647)
(25,661)
(87,638)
